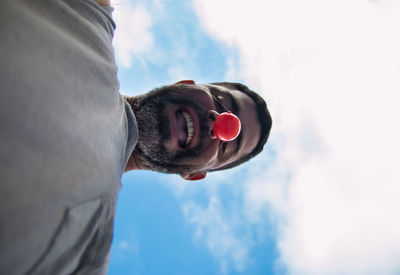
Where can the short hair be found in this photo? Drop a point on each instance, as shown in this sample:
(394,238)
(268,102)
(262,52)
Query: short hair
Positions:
(264,118)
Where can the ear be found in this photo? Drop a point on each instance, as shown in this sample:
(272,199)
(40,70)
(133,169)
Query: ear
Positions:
(194,176)
(186,82)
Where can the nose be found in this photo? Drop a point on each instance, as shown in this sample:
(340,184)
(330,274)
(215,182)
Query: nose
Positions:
(211,115)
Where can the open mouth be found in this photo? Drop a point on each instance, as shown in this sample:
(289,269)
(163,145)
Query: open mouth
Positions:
(185,128)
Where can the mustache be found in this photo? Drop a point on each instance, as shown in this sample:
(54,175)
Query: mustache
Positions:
(154,128)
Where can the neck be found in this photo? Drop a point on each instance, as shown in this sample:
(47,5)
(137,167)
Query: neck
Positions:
(132,164)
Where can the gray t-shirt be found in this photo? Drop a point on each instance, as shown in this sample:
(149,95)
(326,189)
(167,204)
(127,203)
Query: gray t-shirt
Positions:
(65,137)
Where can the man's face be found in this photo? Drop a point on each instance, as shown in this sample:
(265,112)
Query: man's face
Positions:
(176,128)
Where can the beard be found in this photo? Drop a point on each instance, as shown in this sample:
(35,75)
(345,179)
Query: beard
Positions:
(154,129)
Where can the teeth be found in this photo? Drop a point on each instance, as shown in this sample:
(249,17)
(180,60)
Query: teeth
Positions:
(189,124)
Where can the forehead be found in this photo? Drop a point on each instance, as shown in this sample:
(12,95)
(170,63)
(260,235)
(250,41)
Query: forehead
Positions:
(247,113)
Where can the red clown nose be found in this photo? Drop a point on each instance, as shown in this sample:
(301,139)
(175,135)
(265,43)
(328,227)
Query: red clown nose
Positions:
(227,126)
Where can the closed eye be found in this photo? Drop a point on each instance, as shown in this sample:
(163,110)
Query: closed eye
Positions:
(221,108)
(222,146)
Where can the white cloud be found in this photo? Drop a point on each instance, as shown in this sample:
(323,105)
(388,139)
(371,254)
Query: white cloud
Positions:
(124,245)
(330,71)
(127,249)
(132,36)
(217,232)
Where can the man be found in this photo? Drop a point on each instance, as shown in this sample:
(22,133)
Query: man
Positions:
(67,135)
(176,128)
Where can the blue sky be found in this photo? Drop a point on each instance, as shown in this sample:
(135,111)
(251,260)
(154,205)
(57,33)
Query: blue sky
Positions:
(323,196)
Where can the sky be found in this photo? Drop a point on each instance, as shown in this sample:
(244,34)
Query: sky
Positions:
(323,196)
